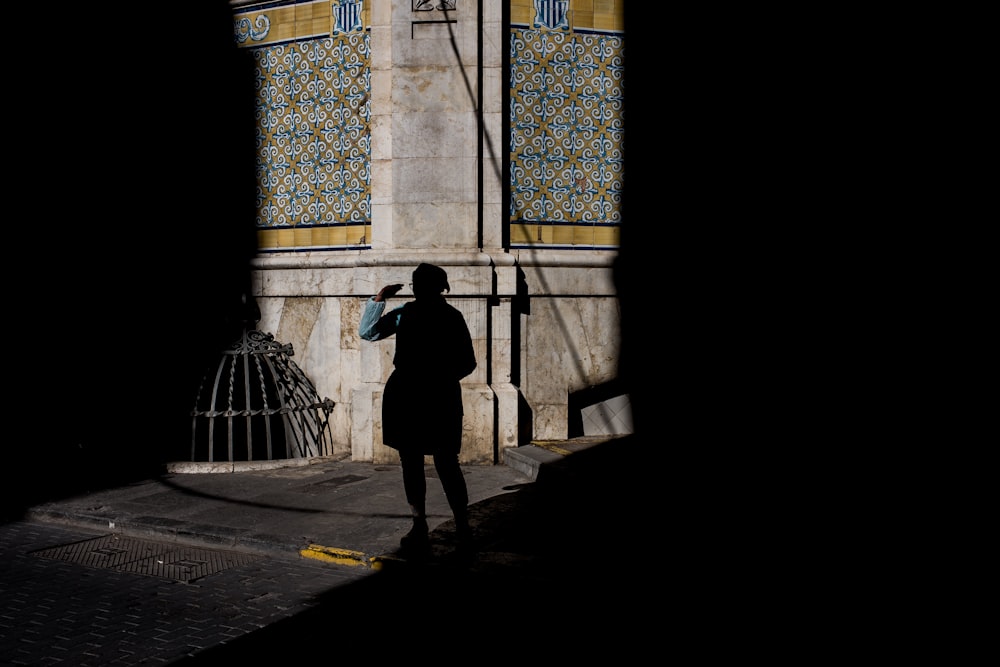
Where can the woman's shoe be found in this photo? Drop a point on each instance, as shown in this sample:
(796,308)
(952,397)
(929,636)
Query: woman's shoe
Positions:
(463,533)
(417,541)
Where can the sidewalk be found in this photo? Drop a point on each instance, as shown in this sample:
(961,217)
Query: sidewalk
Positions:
(338,511)
(565,557)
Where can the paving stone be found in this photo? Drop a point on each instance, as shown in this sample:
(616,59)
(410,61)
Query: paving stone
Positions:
(54,610)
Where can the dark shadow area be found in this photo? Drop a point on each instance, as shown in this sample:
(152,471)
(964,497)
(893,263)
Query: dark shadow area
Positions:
(520,305)
(686,535)
(138,189)
(562,561)
(525,420)
(577,556)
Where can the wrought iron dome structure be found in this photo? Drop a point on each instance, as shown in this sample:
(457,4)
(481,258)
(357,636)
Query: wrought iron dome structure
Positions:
(256,404)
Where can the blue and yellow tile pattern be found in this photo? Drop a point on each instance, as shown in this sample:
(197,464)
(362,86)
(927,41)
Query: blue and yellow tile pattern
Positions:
(313,111)
(566,127)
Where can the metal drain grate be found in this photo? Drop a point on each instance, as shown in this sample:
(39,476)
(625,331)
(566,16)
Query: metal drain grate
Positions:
(155,559)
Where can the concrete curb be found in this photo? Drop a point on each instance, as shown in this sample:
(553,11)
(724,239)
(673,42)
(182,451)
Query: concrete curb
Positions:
(198,467)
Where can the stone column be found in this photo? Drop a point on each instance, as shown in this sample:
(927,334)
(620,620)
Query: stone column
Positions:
(425,97)
(430,196)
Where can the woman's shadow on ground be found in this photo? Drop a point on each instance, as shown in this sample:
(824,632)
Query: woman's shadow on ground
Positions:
(567,550)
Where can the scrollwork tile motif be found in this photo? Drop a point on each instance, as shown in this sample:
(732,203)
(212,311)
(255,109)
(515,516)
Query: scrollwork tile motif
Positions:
(252,31)
(566,127)
(313,139)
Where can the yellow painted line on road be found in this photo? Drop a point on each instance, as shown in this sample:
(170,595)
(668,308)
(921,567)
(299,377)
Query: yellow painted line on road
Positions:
(380,562)
(550,446)
(334,555)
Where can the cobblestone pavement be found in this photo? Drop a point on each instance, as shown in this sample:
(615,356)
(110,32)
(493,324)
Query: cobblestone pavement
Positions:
(61,612)
(557,567)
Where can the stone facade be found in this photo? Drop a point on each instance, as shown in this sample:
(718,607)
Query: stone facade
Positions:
(427,138)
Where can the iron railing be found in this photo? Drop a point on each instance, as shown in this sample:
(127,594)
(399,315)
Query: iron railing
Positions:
(257,404)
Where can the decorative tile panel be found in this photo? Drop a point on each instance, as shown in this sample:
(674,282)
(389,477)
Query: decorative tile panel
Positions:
(313,139)
(566,120)
(313,135)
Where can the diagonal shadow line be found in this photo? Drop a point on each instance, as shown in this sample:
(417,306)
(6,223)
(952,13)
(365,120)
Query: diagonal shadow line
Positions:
(272,506)
(560,320)
(246,503)
(472,97)
(557,315)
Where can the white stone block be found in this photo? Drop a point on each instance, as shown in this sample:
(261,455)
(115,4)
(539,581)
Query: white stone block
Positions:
(507,414)
(383,225)
(439,180)
(382,144)
(363,417)
(441,134)
(477,425)
(270,313)
(380,48)
(434,225)
(610,417)
(550,421)
(381,11)
(495,45)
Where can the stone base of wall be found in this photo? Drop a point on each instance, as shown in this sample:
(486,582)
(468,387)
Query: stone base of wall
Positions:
(543,328)
(477,427)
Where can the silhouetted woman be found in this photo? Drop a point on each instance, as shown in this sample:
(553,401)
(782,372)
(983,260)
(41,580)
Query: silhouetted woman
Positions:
(422,402)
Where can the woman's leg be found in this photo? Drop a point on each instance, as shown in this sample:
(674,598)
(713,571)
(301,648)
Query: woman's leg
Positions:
(415,488)
(455,490)
(414,482)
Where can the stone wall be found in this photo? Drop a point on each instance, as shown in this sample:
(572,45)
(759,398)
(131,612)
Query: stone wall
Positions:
(429,166)
(543,326)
